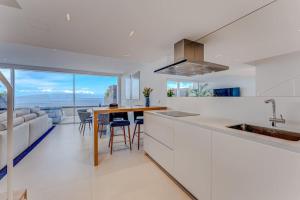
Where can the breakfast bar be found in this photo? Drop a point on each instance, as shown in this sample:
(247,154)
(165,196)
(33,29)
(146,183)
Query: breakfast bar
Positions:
(107,110)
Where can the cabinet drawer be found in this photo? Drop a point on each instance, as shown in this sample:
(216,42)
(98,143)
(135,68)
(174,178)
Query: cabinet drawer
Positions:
(160,153)
(160,128)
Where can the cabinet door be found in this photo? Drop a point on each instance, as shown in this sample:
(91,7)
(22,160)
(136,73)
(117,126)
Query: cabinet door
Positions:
(159,152)
(247,170)
(192,159)
(160,128)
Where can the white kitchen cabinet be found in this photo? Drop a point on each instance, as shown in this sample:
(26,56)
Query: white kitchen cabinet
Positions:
(247,170)
(160,128)
(192,159)
(160,153)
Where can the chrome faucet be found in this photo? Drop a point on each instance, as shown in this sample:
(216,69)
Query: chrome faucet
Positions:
(274,119)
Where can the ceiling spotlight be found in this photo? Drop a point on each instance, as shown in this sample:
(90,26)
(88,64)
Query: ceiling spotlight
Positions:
(131,33)
(126,55)
(68,17)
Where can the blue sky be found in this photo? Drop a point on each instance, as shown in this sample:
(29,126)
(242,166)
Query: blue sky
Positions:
(30,83)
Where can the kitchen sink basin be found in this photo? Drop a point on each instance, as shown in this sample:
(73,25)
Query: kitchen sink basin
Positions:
(286,135)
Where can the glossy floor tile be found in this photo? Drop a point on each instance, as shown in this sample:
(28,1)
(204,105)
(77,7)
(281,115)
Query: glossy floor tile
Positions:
(60,168)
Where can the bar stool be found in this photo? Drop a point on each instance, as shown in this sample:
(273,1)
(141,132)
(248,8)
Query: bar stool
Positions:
(118,120)
(138,120)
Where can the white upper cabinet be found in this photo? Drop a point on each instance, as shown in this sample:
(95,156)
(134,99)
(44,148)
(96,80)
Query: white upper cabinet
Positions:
(192,159)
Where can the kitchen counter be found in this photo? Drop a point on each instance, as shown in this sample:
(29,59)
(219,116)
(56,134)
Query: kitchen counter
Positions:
(220,125)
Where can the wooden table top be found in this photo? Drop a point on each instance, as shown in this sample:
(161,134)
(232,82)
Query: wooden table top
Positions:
(126,109)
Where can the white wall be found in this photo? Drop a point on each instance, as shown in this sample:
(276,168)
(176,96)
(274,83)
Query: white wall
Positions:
(245,109)
(156,81)
(278,76)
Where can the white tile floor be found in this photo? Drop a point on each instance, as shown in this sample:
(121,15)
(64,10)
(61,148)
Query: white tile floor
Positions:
(60,169)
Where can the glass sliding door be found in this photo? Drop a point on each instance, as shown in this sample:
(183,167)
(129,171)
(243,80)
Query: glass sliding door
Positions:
(93,91)
(60,94)
(51,91)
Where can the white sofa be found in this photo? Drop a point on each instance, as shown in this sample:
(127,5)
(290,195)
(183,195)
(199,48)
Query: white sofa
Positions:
(29,125)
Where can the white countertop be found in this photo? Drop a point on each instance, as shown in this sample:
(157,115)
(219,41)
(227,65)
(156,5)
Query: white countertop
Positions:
(220,125)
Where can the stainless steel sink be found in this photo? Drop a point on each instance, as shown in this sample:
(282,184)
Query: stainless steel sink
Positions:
(286,135)
(177,114)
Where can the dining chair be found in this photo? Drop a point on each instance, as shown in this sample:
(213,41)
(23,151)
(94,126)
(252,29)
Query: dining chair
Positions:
(85,118)
(103,120)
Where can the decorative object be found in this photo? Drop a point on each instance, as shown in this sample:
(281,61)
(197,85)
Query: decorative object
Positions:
(170,93)
(147,92)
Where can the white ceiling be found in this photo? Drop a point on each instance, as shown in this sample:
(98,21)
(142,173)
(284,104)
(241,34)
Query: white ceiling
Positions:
(101,27)
(272,31)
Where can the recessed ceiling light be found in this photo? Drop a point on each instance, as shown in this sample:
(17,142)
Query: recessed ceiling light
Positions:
(131,33)
(68,17)
(126,55)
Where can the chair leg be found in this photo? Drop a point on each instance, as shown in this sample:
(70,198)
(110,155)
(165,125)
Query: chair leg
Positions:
(80,127)
(101,130)
(112,141)
(90,125)
(109,136)
(134,133)
(129,137)
(139,134)
(83,128)
(124,133)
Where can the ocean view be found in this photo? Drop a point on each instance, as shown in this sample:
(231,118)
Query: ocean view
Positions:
(57,100)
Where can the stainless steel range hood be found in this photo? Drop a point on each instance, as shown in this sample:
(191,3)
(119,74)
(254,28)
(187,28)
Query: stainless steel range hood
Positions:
(189,60)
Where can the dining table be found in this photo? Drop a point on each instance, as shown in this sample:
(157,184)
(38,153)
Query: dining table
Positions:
(108,110)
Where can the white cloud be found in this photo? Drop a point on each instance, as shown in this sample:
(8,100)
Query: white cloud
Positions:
(79,91)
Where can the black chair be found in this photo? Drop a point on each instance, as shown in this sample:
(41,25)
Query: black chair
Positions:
(85,117)
(138,120)
(118,120)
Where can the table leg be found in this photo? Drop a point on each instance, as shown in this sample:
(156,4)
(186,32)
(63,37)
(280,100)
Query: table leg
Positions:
(96,158)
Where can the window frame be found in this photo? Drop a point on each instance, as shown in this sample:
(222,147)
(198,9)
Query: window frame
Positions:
(14,67)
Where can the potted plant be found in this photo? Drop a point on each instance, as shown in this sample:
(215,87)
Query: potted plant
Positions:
(170,93)
(147,91)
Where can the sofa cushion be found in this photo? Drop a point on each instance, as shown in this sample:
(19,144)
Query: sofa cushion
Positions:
(41,113)
(3,116)
(21,112)
(34,110)
(17,121)
(29,117)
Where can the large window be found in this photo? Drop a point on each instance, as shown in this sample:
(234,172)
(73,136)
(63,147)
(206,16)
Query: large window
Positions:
(43,89)
(183,88)
(95,90)
(60,94)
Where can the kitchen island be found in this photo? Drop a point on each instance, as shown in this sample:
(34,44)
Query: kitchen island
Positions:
(214,162)
(108,110)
